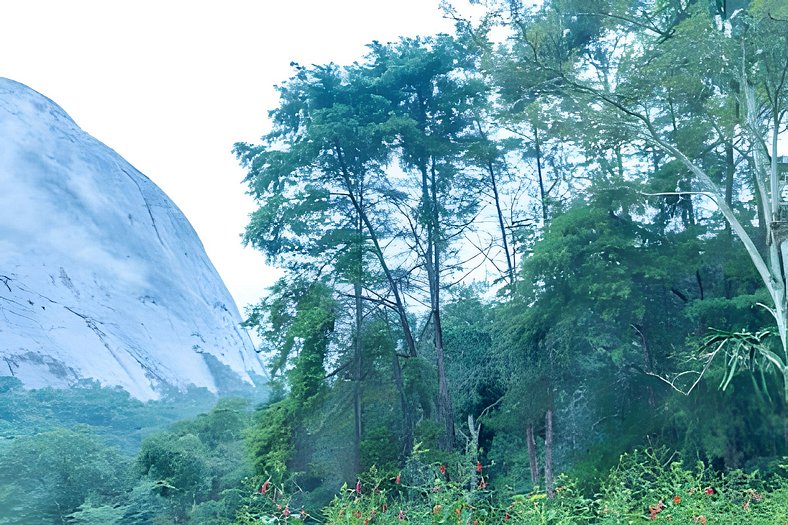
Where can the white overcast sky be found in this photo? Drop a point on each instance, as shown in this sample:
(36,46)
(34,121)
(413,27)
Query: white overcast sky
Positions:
(171,85)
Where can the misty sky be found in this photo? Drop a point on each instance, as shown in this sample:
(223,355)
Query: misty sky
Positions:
(171,85)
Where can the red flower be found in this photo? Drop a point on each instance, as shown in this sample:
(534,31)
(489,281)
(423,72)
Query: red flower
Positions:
(676,500)
(397,479)
(303,513)
(506,517)
(286,512)
(709,491)
(478,466)
(264,489)
(358,487)
(443,469)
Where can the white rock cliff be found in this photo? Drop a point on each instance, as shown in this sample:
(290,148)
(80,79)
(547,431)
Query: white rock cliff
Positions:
(101,275)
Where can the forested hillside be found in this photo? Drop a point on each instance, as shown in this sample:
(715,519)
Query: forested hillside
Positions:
(534,272)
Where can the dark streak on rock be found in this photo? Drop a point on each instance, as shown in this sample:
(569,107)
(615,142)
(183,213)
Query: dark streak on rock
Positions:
(150,212)
(10,368)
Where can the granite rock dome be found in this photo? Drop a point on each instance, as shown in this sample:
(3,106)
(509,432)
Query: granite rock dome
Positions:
(101,275)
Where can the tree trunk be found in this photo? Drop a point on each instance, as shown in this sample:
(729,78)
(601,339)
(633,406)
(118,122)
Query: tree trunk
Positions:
(433,264)
(542,195)
(762,240)
(548,454)
(408,430)
(473,452)
(445,410)
(358,346)
(647,362)
(502,226)
(357,373)
(529,436)
(730,170)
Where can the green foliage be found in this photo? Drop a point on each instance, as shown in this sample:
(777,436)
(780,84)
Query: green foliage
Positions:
(97,515)
(476,372)
(54,474)
(645,485)
(196,463)
(45,477)
(296,318)
(270,440)
(379,448)
(176,463)
(145,504)
(653,484)
(111,413)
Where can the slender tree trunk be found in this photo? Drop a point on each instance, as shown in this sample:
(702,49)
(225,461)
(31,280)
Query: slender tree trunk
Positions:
(432,264)
(529,436)
(548,454)
(408,429)
(647,362)
(688,211)
(730,170)
(473,451)
(357,375)
(763,228)
(542,196)
(445,410)
(444,404)
(502,226)
(358,347)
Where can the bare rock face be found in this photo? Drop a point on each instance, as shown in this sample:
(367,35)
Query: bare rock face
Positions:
(101,275)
